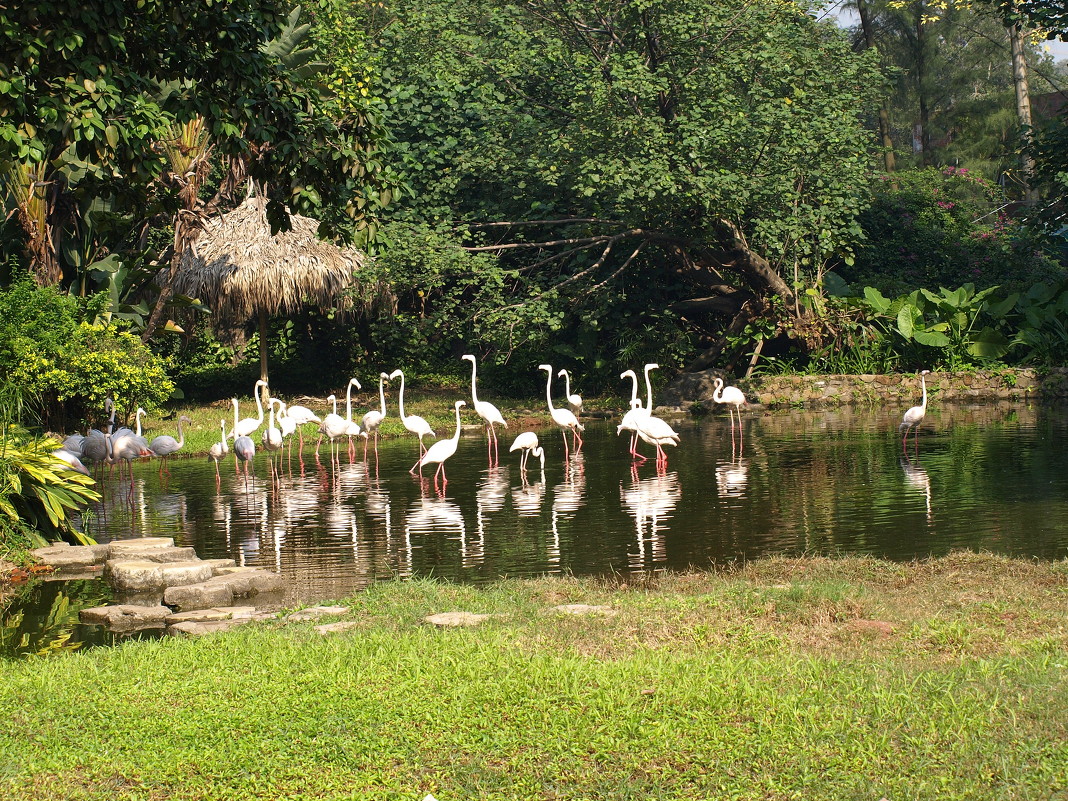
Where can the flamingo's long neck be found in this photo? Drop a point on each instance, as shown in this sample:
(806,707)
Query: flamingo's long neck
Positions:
(456,436)
(382,394)
(222,426)
(181,434)
(648,390)
(270,421)
(348,402)
(138,415)
(923,383)
(717,393)
(474,395)
(548,390)
(333,398)
(259,404)
(633,388)
(567,383)
(400,401)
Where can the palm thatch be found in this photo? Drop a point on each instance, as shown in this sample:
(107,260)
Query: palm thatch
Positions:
(240,270)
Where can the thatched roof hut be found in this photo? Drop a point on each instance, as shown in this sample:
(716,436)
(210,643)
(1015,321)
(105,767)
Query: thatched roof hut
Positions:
(241,271)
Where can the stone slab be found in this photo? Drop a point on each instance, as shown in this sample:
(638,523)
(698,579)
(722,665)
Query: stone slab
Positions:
(134,576)
(126,617)
(179,574)
(64,556)
(316,612)
(194,629)
(334,628)
(208,615)
(183,554)
(451,619)
(118,547)
(202,595)
(585,609)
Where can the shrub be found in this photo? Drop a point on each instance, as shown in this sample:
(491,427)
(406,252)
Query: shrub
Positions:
(945,227)
(71,367)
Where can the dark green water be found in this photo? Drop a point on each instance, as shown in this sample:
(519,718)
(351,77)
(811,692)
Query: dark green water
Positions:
(991,477)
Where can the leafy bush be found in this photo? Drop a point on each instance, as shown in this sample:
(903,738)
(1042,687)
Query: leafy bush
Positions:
(69,366)
(944,227)
(38,492)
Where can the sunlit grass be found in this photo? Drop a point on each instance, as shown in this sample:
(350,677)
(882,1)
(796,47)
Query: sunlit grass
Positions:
(785,678)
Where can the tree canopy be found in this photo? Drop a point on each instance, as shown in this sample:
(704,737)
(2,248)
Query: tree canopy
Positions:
(687,149)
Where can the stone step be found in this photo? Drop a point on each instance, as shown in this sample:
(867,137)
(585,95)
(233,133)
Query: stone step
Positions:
(121,618)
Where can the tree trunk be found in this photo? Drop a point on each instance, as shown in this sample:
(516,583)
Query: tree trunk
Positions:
(921,91)
(263,352)
(884,111)
(1023,106)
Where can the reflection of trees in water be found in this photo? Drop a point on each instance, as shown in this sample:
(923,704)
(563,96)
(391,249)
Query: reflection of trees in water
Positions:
(42,617)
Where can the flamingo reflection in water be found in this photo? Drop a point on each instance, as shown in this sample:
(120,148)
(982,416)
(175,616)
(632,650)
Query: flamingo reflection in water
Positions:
(917,477)
(491,496)
(433,515)
(650,501)
(732,478)
(568,497)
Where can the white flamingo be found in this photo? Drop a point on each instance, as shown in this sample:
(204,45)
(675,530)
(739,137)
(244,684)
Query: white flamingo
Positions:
(731,396)
(914,416)
(373,419)
(163,445)
(245,427)
(564,418)
(218,450)
(412,422)
(574,401)
(487,411)
(630,419)
(651,429)
(333,425)
(442,450)
(301,416)
(527,442)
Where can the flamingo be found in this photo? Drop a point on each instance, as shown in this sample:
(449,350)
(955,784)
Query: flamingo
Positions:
(73,444)
(574,402)
(442,450)
(914,416)
(163,445)
(527,442)
(126,433)
(657,433)
(487,411)
(301,416)
(732,396)
(219,449)
(126,449)
(412,422)
(373,419)
(272,436)
(70,458)
(333,425)
(562,417)
(245,450)
(243,428)
(630,419)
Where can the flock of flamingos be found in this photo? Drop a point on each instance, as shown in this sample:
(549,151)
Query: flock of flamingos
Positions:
(115,446)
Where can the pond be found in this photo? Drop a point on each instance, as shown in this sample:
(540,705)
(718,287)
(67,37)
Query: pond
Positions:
(796,481)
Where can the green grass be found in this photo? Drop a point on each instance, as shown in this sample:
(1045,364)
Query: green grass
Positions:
(788,678)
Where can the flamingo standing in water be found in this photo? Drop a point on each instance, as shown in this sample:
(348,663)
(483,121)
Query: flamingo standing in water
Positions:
(630,419)
(574,401)
(527,442)
(219,449)
(245,427)
(442,450)
(914,416)
(412,422)
(731,396)
(163,445)
(564,418)
(487,411)
(373,419)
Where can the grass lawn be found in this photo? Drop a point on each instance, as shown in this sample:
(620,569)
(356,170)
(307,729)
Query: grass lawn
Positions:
(782,679)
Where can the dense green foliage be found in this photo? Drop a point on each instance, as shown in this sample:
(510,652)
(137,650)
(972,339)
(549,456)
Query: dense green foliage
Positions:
(944,227)
(69,367)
